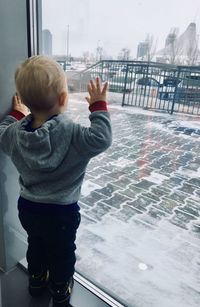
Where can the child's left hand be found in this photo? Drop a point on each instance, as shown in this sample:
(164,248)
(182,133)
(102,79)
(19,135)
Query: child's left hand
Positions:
(97,91)
(19,106)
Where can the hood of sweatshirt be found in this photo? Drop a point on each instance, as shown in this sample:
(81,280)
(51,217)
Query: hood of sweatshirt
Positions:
(45,148)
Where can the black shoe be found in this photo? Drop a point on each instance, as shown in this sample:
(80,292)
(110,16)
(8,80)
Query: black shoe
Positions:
(61,293)
(38,284)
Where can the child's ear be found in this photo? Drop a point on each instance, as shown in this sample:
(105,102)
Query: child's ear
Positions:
(62,98)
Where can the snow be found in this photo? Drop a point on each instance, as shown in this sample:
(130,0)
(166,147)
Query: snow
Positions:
(121,162)
(195,124)
(190,173)
(142,266)
(156,178)
(144,261)
(88,187)
(164,128)
(162,269)
(135,110)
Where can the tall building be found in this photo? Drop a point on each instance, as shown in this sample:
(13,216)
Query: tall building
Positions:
(142,49)
(183,49)
(46,42)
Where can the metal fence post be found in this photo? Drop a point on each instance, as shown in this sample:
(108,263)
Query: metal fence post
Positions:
(125,82)
(173,103)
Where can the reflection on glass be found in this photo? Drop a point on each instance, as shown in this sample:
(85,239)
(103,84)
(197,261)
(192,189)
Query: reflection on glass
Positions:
(139,236)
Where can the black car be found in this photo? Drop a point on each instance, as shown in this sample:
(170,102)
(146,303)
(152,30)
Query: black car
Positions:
(148,81)
(188,90)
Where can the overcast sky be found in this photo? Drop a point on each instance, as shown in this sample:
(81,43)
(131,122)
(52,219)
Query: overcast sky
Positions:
(114,24)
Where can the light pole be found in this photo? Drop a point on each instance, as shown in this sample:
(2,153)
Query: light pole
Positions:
(67,44)
(99,51)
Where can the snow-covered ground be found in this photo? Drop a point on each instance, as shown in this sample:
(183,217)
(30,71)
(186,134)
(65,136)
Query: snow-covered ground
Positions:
(140,204)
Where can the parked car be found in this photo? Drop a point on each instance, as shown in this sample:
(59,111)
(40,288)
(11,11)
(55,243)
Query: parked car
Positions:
(188,90)
(167,88)
(148,81)
(171,82)
(130,69)
(117,84)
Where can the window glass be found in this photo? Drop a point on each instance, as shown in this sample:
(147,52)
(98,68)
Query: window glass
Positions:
(139,235)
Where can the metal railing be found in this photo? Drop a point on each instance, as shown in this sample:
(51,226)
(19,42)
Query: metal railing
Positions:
(149,85)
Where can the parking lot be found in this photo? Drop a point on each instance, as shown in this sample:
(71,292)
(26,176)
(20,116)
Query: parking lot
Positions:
(170,87)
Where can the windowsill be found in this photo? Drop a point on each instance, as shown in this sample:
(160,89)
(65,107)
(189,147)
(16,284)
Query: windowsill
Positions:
(85,294)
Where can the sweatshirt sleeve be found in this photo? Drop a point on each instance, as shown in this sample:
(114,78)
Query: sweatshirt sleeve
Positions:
(7,131)
(91,141)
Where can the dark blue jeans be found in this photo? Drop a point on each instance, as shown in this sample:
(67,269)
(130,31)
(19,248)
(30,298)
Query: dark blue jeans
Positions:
(51,243)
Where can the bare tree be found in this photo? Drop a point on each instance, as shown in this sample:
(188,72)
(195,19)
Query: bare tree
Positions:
(175,53)
(86,56)
(151,47)
(124,54)
(99,53)
(173,48)
(92,58)
(193,51)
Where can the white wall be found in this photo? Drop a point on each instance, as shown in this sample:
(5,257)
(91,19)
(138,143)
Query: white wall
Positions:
(13,50)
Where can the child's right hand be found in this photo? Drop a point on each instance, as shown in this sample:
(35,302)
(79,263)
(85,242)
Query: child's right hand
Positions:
(18,105)
(97,91)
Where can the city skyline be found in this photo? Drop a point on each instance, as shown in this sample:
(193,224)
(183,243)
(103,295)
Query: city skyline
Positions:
(114,25)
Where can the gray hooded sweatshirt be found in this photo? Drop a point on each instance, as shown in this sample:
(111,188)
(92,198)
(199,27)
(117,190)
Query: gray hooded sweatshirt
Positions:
(52,159)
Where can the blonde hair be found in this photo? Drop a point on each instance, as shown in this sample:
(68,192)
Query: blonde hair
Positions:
(39,81)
